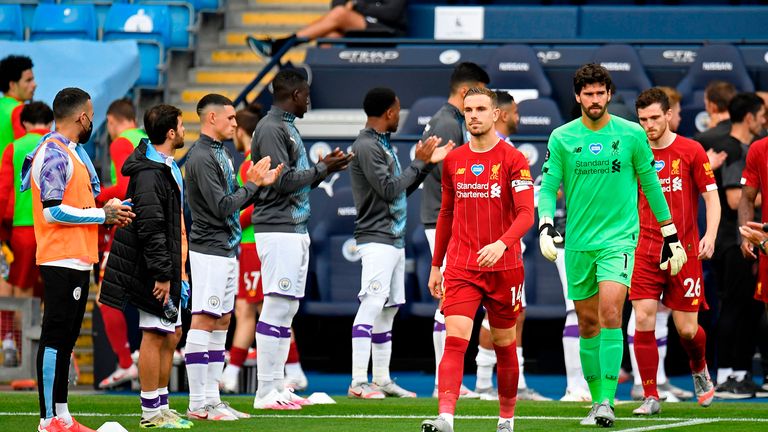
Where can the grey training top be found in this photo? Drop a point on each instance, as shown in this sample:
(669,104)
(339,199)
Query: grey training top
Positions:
(284,207)
(448,124)
(380,187)
(214,198)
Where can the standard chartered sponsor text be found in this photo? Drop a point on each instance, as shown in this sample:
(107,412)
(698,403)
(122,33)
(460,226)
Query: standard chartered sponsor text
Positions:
(472,190)
(592,167)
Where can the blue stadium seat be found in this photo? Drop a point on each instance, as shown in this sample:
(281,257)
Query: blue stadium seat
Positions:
(182,15)
(337,264)
(516,67)
(538,116)
(420,113)
(11,23)
(150,26)
(57,21)
(207,5)
(713,62)
(627,71)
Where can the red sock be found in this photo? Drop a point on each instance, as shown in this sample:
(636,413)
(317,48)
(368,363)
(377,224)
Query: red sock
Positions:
(450,373)
(647,354)
(696,349)
(117,333)
(507,375)
(237,356)
(293,353)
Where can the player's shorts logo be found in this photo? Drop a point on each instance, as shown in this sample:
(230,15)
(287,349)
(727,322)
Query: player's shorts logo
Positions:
(76,293)
(595,148)
(165,322)
(658,165)
(214,301)
(477,169)
(284,284)
(374,287)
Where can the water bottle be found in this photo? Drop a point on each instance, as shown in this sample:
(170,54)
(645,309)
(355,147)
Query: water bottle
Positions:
(10,353)
(170,310)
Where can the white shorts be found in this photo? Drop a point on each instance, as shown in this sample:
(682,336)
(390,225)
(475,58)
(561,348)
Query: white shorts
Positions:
(383,272)
(214,283)
(560,263)
(284,263)
(150,322)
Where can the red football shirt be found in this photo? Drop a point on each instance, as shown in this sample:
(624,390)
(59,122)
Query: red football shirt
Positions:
(684,173)
(487,197)
(755,172)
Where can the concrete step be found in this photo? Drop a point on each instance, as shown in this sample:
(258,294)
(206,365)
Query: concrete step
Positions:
(244,56)
(193,93)
(304,5)
(229,75)
(272,20)
(235,37)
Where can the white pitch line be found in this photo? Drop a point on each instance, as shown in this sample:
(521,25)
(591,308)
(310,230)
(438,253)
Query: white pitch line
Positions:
(670,425)
(367,416)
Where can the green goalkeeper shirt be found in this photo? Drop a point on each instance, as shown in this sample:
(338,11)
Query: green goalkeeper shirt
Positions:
(600,172)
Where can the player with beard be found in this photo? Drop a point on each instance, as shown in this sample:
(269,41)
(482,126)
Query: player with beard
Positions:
(487,202)
(599,158)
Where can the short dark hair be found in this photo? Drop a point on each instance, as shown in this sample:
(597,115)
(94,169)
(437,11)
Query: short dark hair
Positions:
(122,109)
(720,93)
(286,82)
(11,69)
(36,113)
(591,73)
(378,100)
(651,96)
(212,99)
(248,117)
(483,91)
(468,73)
(158,120)
(743,104)
(68,101)
(503,98)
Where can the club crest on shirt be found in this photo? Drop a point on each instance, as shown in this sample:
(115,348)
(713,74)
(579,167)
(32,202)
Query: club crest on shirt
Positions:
(658,165)
(675,170)
(495,171)
(595,148)
(477,169)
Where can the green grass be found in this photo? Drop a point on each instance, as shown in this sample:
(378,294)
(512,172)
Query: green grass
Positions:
(19,413)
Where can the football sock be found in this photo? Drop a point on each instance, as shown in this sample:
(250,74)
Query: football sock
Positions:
(448,418)
(163,393)
(662,332)
(631,343)
(696,349)
(293,353)
(278,375)
(438,339)
(647,361)
(62,412)
(196,358)
(362,332)
(611,351)
(117,334)
(237,356)
(486,360)
(451,372)
(521,384)
(276,314)
(573,374)
(589,352)
(381,348)
(150,404)
(508,374)
(215,366)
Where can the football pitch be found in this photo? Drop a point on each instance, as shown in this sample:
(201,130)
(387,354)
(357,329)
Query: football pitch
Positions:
(20,413)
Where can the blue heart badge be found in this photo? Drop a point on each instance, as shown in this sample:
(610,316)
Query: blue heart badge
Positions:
(595,148)
(659,165)
(477,169)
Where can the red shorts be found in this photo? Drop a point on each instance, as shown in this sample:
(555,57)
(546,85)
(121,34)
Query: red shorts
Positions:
(683,292)
(500,292)
(249,287)
(761,289)
(24,272)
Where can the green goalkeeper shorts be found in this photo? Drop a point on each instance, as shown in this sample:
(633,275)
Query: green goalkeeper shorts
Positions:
(584,269)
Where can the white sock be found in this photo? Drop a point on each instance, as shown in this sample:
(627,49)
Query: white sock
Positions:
(362,332)
(448,418)
(215,366)
(739,374)
(278,375)
(486,361)
(275,320)
(511,421)
(438,339)
(150,404)
(44,423)
(573,374)
(230,372)
(62,412)
(294,370)
(381,345)
(723,374)
(521,384)
(267,342)
(662,332)
(196,357)
(631,325)
(164,401)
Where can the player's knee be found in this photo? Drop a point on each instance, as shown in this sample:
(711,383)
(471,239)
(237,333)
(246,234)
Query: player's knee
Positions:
(688,330)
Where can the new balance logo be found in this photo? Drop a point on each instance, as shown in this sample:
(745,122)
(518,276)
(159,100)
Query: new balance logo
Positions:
(577,150)
(615,166)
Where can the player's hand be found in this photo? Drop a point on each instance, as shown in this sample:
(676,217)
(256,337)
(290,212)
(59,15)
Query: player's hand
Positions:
(489,254)
(752,234)
(673,255)
(424,149)
(706,247)
(117,213)
(260,174)
(441,152)
(716,159)
(161,291)
(548,236)
(436,282)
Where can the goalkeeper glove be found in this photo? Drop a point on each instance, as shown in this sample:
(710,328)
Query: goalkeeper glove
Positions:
(548,236)
(673,255)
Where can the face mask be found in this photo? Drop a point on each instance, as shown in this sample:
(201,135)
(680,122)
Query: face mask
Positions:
(85,134)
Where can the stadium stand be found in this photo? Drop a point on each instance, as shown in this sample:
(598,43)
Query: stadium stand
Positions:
(11,22)
(627,71)
(420,114)
(182,17)
(54,21)
(516,69)
(538,117)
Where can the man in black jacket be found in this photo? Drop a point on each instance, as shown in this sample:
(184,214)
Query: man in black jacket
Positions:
(146,265)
